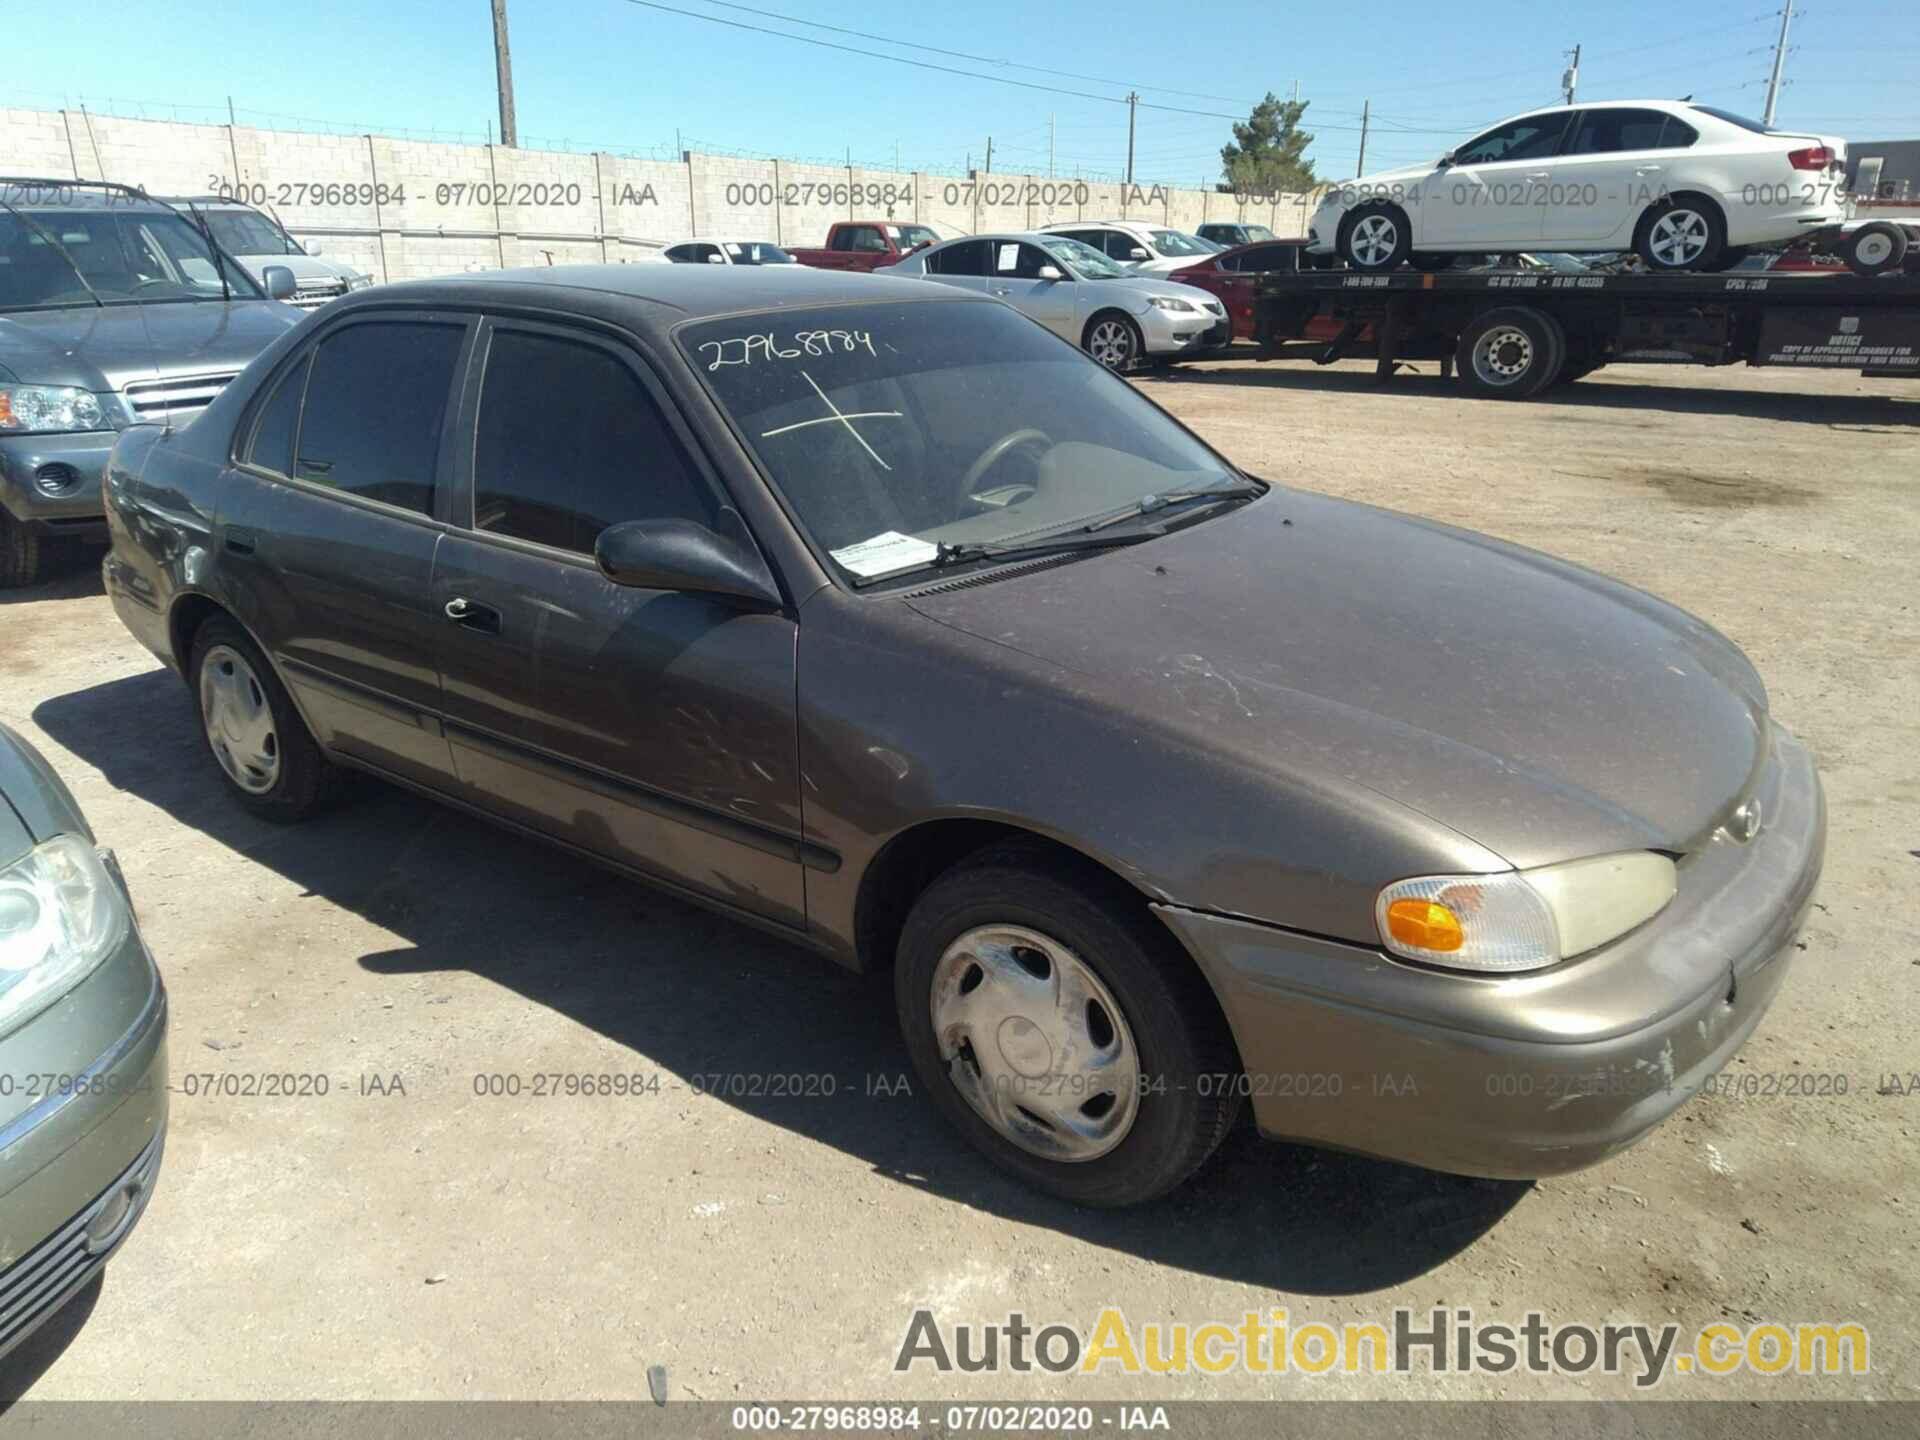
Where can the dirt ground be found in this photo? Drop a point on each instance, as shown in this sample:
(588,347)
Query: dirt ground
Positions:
(404,1236)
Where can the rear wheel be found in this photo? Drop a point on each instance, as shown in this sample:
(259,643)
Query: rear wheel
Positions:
(20,556)
(1511,353)
(1114,340)
(1683,232)
(1875,249)
(1376,237)
(1060,1030)
(266,755)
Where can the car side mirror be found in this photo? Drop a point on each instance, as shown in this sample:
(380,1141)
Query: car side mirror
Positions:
(1444,161)
(716,259)
(687,556)
(1052,272)
(1136,253)
(312,247)
(279,282)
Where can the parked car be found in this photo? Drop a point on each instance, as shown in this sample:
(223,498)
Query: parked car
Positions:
(83,1050)
(704,251)
(1116,315)
(866,245)
(257,240)
(1688,187)
(912,635)
(1231,236)
(1232,277)
(113,309)
(1149,249)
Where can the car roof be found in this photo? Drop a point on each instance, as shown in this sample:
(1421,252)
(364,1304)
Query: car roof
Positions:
(1106,225)
(654,297)
(718,240)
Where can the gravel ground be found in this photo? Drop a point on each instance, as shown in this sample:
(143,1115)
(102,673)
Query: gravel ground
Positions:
(404,1236)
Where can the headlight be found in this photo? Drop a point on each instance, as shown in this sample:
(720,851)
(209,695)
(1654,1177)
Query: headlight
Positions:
(1169,302)
(359,282)
(1523,919)
(34,409)
(60,915)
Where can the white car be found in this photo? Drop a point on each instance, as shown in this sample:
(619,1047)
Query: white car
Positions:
(1687,186)
(708,250)
(1148,249)
(1116,315)
(257,240)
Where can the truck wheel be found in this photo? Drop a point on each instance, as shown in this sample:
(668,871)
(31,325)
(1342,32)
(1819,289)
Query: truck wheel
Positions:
(19,553)
(1061,1030)
(268,759)
(1875,249)
(1682,232)
(1375,237)
(1512,353)
(1114,340)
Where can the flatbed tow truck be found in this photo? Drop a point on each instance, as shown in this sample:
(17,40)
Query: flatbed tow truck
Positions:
(1512,334)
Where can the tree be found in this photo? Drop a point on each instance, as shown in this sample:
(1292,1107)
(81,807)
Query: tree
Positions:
(1268,156)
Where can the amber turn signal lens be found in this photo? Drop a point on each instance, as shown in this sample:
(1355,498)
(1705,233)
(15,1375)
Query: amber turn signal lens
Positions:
(1424,924)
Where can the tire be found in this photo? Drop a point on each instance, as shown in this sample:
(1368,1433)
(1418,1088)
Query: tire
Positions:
(21,560)
(1375,237)
(1512,353)
(255,737)
(1431,264)
(1875,249)
(1030,907)
(1682,232)
(1115,341)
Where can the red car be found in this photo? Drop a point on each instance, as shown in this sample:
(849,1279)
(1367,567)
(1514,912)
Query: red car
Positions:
(1233,275)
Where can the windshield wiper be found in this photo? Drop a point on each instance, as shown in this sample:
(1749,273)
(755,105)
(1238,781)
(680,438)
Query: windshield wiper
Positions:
(1153,504)
(945,554)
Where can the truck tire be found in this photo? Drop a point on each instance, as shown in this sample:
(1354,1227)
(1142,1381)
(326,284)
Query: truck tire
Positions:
(1682,232)
(1512,353)
(20,557)
(1375,237)
(1876,249)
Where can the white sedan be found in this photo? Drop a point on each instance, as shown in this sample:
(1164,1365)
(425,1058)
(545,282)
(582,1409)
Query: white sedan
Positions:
(1687,186)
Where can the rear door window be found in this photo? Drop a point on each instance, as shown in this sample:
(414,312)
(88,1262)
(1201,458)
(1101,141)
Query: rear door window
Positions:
(279,422)
(377,401)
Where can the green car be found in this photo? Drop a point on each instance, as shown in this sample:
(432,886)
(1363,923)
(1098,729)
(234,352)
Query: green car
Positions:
(83,1049)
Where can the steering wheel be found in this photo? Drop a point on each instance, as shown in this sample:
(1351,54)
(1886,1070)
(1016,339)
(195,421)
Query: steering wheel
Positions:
(996,452)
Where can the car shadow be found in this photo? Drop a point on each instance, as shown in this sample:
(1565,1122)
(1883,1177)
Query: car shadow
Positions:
(21,1370)
(1602,392)
(696,995)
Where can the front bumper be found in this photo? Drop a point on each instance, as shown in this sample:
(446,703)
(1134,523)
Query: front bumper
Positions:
(1170,332)
(52,482)
(79,1162)
(1529,1075)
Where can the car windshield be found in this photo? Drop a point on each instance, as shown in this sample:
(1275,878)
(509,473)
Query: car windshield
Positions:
(1085,261)
(1176,242)
(757,252)
(908,236)
(121,257)
(247,232)
(892,429)
(1257,232)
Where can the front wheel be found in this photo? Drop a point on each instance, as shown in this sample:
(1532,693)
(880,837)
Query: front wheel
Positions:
(1376,237)
(20,553)
(1115,341)
(1064,1033)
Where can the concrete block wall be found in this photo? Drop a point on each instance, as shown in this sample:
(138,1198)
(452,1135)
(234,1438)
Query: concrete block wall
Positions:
(400,209)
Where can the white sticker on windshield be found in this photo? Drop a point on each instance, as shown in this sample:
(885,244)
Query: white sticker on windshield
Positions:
(885,553)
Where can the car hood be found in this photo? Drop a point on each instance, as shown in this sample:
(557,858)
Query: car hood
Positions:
(1543,711)
(1136,293)
(304,267)
(102,348)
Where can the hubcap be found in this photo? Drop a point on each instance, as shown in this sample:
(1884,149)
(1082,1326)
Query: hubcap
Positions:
(1374,239)
(1678,238)
(1502,355)
(1035,1042)
(1112,344)
(239,721)
(1873,249)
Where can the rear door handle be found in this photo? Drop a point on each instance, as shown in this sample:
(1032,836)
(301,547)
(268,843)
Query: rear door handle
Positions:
(239,541)
(473,615)
(1539,174)
(1648,169)
(1000,290)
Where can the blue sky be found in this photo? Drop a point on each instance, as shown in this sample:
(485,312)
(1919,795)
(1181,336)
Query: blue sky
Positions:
(618,74)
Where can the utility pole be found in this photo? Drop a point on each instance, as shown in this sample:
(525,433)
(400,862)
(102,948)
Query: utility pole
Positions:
(1133,103)
(503,69)
(1779,62)
(1366,115)
(989,154)
(1570,81)
(1050,145)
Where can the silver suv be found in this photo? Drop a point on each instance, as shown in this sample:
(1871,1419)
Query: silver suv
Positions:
(257,240)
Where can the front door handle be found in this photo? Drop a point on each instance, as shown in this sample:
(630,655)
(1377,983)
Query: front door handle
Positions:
(1000,290)
(473,615)
(1648,169)
(239,541)
(1539,174)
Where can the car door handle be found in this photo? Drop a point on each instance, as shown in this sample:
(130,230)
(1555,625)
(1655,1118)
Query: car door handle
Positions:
(473,615)
(240,542)
(1000,289)
(1539,174)
(1648,169)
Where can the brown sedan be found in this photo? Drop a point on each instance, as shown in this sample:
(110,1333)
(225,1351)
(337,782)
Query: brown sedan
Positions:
(877,616)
